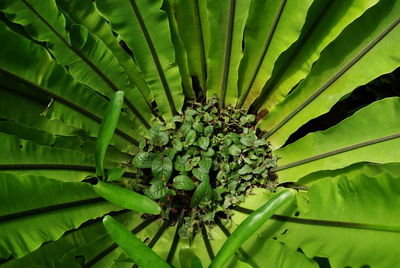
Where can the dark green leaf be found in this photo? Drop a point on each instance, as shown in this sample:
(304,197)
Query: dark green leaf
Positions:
(192,163)
(143,159)
(210,152)
(248,139)
(208,131)
(245,170)
(185,128)
(259,170)
(161,167)
(190,137)
(235,138)
(183,182)
(203,193)
(200,174)
(170,152)
(234,150)
(158,136)
(203,142)
(157,189)
(205,164)
(180,162)
(178,146)
(199,127)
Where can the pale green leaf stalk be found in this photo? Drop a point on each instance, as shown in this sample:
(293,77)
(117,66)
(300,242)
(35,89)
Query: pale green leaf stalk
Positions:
(141,254)
(107,129)
(126,198)
(249,226)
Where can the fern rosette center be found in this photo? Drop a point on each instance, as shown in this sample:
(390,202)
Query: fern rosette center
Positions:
(206,165)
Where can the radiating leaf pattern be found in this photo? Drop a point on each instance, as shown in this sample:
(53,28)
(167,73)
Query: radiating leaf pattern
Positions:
(226,20)
(333,76)
(370,135)
(287,61)
(192,21)
(88,59)
(281,23)
(63,205)
(148,35)
(355,198)
(329,18)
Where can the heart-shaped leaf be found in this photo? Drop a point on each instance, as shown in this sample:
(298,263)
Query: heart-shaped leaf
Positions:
(190,137)
(200,174)
(234,150)
(143,159)
(158,136)
(158,189)
(203,143)
(183,182)
(203,193)
(161,167)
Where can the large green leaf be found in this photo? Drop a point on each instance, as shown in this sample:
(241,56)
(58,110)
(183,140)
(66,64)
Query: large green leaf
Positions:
(366,205)
(145,29)
(321,28)
(74,104)
(271,28)
(38,209)
(226,20)
(370,170)
(251,225)
(103,252)
(89,61)
(343,66)
(82,245)
(74,143)
(370,135)
(191,19)
(85,12)
(180,51)
(267,252)
(20,155)
(37,103)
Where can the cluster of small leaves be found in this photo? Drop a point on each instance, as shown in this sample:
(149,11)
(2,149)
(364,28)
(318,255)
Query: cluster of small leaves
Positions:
(209,163)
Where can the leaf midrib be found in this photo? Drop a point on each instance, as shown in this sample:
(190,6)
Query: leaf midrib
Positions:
(154,55)
(113,246)
(88,62)
(66,102)
(335,77)
(264,52)
(202,44)
(43,166)
(228,51)
(335,152)
(340,224)
(51,208)
(268,88)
